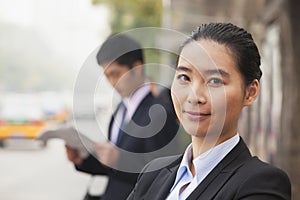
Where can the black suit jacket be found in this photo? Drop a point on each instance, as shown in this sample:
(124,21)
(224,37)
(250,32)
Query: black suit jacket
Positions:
(121,182)
(237,176)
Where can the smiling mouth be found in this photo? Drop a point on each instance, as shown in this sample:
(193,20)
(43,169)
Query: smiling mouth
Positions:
(196,115)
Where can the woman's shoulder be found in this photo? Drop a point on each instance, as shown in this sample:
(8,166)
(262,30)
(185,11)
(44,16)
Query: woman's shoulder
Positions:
(162,163)
(259,175)
(154,173)
(157,166)
(257,166)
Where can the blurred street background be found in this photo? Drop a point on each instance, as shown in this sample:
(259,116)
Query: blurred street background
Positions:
(44,45)
(28,172)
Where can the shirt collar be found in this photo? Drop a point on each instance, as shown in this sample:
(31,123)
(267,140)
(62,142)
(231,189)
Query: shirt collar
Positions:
(205,162)
(135,99)
(209,159)
(184,166)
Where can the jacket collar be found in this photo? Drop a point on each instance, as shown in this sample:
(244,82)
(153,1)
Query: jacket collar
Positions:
(222,172)
(164,181)
(218,176)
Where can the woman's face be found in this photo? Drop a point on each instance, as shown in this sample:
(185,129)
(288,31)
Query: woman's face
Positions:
(208,90)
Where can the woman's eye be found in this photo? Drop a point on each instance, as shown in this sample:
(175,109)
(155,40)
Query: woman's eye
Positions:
(183,77)
(215,82)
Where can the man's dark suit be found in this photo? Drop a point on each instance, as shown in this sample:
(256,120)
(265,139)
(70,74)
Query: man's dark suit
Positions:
(237,176)
(120,184)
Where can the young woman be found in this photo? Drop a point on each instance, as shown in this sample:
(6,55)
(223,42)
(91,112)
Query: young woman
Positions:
(217,74)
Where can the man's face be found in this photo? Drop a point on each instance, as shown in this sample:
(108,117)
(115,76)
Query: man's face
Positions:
(122,78)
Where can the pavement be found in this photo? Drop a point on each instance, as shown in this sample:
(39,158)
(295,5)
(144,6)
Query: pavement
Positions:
(30,172)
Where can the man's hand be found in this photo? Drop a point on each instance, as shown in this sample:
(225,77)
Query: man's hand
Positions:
(107,154)
(73,155)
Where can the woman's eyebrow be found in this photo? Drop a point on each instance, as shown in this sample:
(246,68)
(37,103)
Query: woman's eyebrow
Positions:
(216,72)
(208,72)
(183,68)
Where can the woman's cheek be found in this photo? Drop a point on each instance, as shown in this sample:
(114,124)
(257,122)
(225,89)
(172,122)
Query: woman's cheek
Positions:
(177,98)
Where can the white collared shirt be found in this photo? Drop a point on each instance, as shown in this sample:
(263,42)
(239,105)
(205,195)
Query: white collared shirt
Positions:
(131,104)
(203,164)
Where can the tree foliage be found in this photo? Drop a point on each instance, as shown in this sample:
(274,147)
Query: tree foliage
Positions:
(130,14)
(133,13)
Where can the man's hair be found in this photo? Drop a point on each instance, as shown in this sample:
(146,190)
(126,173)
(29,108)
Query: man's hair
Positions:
(238,41)
(122,49)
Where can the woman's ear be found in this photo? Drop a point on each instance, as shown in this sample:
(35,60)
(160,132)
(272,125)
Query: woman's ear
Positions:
(251,93)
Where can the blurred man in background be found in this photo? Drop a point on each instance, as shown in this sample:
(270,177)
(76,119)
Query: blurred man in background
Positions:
(142,123)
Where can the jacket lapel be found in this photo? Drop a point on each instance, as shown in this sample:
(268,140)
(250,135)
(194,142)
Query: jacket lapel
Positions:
(138,118)
(163,183)
(112,119)
(221,173)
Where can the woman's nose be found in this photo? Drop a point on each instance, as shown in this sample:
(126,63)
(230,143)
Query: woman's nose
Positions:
(197,95)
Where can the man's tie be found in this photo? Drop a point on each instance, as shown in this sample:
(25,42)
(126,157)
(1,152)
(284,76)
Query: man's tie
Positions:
(123,111)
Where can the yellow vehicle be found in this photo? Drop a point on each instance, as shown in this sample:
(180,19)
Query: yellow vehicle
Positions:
(29,130)
(20,117)
(25,115)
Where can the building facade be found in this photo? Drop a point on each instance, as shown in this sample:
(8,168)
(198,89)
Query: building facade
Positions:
(271,126)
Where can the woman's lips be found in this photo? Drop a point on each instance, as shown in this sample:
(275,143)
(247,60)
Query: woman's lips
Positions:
(196,115)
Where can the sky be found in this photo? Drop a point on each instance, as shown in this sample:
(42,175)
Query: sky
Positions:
(67,31)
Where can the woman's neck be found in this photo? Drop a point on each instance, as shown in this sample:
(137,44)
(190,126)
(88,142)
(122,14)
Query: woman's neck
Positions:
(203,144)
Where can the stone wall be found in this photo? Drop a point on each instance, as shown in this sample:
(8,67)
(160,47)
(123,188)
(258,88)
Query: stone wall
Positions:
(271,127)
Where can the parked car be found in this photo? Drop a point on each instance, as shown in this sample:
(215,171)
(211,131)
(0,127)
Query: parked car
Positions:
(21,116)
